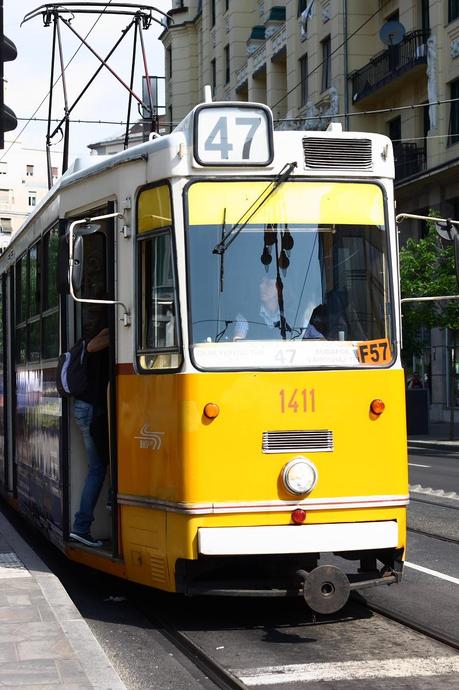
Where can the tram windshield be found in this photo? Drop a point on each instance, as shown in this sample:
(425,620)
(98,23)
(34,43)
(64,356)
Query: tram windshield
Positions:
(300,280)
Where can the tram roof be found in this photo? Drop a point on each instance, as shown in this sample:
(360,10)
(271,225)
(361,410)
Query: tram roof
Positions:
(89,166)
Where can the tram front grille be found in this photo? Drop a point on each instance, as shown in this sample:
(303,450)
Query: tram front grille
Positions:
(294,441)
(350,154)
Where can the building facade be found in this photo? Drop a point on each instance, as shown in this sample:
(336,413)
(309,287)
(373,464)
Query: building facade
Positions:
(23,183)
(384,66)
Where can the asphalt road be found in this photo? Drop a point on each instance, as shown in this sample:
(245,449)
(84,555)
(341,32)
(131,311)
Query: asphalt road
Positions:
(434,469)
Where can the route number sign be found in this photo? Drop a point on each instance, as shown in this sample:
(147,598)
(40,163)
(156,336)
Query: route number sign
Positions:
(233,135)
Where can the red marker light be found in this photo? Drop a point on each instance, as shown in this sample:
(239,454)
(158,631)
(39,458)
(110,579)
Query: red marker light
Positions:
(298,516)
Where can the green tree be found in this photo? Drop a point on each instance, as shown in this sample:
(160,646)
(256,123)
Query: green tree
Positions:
(427,269)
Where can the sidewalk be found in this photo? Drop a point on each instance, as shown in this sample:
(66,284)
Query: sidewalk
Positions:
(437,438)
(44,642)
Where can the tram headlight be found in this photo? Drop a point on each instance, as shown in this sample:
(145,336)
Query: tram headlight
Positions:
(299,476)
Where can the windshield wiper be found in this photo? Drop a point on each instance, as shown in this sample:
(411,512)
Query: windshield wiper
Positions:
(237,228)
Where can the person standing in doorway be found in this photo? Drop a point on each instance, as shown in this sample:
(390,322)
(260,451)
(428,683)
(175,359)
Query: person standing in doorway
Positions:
(90,412)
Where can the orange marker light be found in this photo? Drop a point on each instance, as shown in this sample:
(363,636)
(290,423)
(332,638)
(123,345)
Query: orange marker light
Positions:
(298,516)
(377,406)
(211,410)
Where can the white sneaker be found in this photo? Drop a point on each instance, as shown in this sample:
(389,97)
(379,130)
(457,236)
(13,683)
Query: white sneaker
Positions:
(86,539)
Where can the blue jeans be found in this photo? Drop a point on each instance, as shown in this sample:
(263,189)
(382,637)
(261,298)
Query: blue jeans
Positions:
(86,416)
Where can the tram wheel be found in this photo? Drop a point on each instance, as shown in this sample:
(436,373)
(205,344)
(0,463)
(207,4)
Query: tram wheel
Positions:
(326,589)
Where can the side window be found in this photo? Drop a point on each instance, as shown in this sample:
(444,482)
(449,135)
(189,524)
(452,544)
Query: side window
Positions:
(34,321)
(37,301)
(158,330)
(21,309)
(50,319)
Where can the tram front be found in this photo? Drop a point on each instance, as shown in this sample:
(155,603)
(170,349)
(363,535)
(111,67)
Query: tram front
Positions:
(296,476)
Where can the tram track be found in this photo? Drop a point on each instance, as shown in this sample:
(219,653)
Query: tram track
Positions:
(434,503)
(423,533)
(216,672)
(223,678)
(429,632)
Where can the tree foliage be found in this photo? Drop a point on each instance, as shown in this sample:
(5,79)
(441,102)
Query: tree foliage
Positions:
(427,268)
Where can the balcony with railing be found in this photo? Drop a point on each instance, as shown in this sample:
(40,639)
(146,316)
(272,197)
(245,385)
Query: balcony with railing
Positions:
(410,159)
(390,64)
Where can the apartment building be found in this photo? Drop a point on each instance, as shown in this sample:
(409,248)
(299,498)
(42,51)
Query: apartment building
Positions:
(386,66)
(23,183)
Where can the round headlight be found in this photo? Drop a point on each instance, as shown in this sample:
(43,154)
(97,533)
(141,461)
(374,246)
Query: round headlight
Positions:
(299,476)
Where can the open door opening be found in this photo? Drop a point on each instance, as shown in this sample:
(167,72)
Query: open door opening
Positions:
(91,424)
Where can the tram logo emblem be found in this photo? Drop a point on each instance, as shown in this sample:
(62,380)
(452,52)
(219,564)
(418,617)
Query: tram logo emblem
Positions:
(150,439)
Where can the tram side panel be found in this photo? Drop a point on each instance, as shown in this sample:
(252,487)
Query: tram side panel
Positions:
(180,472)
(38,414)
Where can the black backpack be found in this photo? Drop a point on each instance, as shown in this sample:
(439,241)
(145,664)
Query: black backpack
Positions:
(72,371)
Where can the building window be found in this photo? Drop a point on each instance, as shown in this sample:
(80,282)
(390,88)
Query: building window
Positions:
(454,114)
(3,168)
(169,62)
(32,198)
(303,80)
(5,225)
(226,5)
(4,196)
(326,63)
(171,125)
(453,10)
(212,13)
(54,172)
(29,170)
(227,64)
(213,75)
(302,4)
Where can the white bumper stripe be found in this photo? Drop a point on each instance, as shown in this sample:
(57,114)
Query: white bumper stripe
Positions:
(229,541)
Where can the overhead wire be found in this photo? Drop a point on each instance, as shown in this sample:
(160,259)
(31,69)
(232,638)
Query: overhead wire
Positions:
(56,82)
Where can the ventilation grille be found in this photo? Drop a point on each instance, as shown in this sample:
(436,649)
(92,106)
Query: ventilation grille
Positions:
(349,154)
(158,569)
(293,441)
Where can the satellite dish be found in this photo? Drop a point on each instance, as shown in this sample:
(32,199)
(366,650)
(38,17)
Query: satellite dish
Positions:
(446,231)
(392,33)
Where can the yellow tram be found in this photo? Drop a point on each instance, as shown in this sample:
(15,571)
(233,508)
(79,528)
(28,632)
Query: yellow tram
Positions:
(256,397)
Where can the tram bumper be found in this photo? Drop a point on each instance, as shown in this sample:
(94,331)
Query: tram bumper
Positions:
(325,588)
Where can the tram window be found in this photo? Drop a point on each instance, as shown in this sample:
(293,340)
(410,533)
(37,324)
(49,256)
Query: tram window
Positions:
(21,341)
(312,270)
(158,342)
(21,290)
(33,349)
(158,301)
(34,281)
(50,318)
(50,248)
(94,285)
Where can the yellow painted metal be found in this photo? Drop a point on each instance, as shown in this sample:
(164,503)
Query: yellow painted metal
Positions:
(154,210)
(221,460)
(325,202)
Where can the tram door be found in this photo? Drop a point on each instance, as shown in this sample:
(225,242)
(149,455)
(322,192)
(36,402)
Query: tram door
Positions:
(86,319)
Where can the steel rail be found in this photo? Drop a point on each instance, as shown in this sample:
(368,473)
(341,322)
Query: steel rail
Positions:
(212,669)
(430,632)
(434,536)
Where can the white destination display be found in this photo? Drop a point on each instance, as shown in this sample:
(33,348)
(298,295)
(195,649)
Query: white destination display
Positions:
(233,135)
(276,355)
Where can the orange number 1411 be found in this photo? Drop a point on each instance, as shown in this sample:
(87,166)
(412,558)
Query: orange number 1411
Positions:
(298,401)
